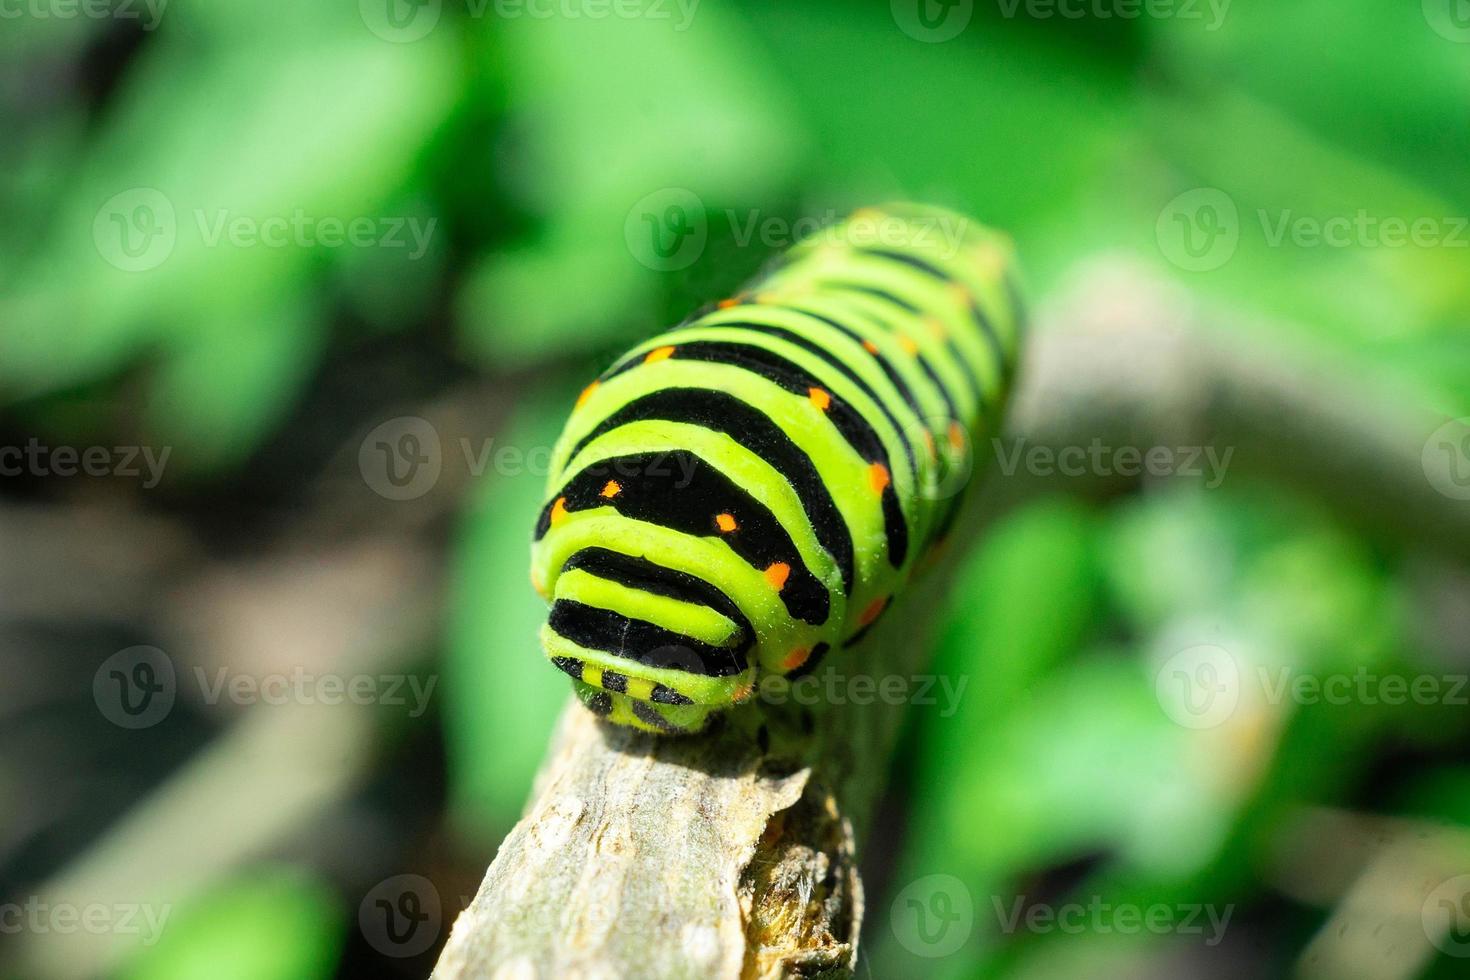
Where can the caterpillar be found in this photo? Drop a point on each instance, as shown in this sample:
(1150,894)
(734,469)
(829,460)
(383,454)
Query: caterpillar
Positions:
(745,494)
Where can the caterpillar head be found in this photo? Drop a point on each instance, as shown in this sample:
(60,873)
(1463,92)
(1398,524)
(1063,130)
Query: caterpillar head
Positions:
(648,645)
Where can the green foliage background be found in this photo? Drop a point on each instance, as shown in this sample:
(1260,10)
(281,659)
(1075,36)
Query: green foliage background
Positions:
(530,141)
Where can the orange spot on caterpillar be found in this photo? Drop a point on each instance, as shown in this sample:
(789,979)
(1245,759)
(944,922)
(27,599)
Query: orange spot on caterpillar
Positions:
(936,328)
(870,347)
(819,398)
(878,477)
(929,443)
(611,489)
(725,304)
(558,511)
(726,523)
(871,613)
(957,437)
(658,354)
(796,658)
(909,345)
(743,691)
(586,394)
(777,574)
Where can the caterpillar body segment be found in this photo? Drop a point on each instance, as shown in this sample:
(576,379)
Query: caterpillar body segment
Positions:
(744,495)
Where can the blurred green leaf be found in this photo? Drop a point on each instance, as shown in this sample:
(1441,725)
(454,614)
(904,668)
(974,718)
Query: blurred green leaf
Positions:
(286,141)
(1376,79)
(698,123)
(265,924)
(998,123)
(502,697)
(1023,602)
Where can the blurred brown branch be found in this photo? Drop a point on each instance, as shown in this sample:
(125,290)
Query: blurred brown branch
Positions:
(1129,358)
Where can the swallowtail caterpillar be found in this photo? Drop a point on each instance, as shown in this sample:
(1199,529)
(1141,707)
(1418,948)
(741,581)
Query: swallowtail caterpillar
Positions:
(744,494)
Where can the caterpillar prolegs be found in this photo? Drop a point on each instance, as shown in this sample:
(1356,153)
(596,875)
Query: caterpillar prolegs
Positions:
(744,494)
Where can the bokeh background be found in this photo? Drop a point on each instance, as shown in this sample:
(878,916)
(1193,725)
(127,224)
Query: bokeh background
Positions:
(293,297)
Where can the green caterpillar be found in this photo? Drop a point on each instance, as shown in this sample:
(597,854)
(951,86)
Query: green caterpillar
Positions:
(745,493)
